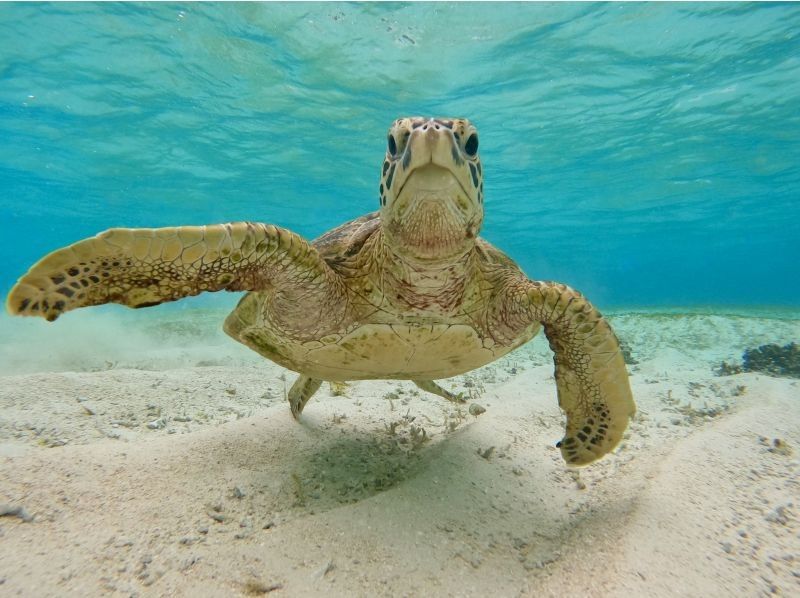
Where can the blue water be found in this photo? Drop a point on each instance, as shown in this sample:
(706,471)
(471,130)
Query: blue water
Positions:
(647,154)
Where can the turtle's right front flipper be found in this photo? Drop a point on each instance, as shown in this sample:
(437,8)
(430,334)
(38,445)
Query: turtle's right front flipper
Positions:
(144,267)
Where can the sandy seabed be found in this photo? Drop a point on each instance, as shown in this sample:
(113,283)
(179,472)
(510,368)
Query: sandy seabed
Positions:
(148,454)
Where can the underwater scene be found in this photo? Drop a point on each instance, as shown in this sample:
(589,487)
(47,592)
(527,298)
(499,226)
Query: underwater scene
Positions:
(400,299)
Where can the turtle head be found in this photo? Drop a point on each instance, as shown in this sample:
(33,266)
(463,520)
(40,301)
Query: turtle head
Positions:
(431,188)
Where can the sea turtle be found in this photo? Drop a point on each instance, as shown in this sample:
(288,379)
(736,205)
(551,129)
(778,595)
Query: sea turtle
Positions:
(409,292)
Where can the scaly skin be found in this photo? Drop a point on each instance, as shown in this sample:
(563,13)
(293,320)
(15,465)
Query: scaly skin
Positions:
(145,267)
(409,292)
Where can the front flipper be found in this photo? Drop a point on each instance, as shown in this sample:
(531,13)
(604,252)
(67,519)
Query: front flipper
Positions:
(591,378)
(144,267)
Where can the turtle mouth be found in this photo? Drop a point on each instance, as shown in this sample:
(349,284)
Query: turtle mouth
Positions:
(432,183)
(432,215)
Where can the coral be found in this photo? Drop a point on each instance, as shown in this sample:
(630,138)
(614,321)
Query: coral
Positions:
(769,359)
(773,359)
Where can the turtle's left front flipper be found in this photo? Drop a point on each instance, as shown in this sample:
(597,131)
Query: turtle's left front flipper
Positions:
(591,377)
(144,267)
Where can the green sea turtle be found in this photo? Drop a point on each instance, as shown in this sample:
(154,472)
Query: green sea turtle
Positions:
(409,292)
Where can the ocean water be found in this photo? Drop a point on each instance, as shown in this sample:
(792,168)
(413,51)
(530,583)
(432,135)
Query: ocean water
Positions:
(646,154)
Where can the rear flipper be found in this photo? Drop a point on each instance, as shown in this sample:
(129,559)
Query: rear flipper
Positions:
(301,392)
(432,387)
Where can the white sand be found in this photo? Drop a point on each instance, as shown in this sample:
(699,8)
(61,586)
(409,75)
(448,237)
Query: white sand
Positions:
(126,444)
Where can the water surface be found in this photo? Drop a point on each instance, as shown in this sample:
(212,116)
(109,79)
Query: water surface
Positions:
(646,154)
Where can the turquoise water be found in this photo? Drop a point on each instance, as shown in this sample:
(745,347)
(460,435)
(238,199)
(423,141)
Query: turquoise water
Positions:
(647,154)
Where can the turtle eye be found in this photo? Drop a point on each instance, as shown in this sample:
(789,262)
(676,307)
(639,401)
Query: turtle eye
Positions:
(392,145)
(471,146)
